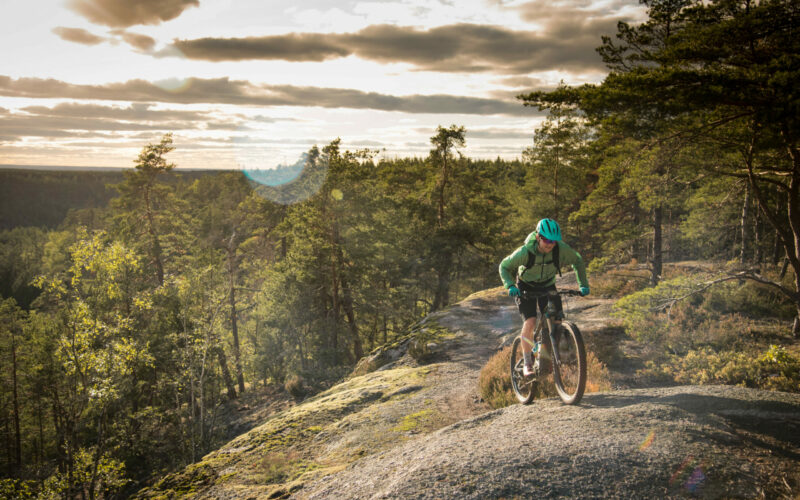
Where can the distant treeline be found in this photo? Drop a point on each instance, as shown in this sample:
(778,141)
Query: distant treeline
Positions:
(43,198)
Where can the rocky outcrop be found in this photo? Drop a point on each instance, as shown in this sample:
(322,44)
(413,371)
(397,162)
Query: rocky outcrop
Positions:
(677,442)
(409,423)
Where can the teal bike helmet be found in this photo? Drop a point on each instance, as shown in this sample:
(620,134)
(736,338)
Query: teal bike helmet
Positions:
(548,228)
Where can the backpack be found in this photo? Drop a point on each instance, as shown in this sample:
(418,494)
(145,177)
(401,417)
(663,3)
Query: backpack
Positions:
(532,260)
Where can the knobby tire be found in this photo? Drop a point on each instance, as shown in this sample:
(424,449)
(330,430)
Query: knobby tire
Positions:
(570,375)
(524,387)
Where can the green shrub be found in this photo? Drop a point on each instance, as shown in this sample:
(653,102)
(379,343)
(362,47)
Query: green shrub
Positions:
(16,488)
(774,369)
(749,299)
(646,314)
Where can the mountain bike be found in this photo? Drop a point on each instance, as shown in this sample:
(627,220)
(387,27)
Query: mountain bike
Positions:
(567,353)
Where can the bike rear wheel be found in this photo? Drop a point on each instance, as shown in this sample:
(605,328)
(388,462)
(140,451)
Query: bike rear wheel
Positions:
(524,387)
(569,374)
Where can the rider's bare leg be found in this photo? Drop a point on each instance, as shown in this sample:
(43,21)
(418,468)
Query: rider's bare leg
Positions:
(527,335)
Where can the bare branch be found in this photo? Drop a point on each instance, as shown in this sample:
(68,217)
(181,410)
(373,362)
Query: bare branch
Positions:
(667,304)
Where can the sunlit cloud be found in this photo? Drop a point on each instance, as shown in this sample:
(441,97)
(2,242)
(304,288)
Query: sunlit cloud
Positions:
(135,111)
(226,91)
(142,43)
(78,35)
(452,48)
(75,120)
(138,41)
(525,82)
(498,133)
(125,13)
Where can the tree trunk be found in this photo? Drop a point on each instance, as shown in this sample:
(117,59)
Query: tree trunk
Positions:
(759,255)
(9,472)
(776,252)
(40,421)
(656,264)
(233,267)
(17,435)
(790,237)
(555,186)
(235,332)
(156,245)
(347,303)
(442,185)
(744,227)
(793,202)
(442,297)
(226,374)
(98,453)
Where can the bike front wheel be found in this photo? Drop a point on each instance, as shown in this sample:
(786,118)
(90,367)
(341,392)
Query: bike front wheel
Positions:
(569,374)
(523,386)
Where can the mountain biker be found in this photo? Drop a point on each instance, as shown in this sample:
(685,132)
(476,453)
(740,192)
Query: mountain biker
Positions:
(531,269)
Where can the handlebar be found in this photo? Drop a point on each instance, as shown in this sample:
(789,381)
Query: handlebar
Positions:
(531,295)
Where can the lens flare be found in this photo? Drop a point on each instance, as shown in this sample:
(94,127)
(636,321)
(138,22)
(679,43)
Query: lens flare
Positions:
(696,478)
(288,184)
(648,440)
(174,85)
(686,463)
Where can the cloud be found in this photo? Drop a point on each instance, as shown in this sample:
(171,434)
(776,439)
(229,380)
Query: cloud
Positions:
(495,133)
(451,48)
(268,119)
(125,13)
(78,35)
(225,91)
(294,47)
(551,13)
(136,111)
(525,82)
(498,133)
(57,126)
(143,43)
(89,121)
(136,40)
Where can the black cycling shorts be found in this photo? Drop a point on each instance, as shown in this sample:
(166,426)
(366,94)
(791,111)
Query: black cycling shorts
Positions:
(527,307)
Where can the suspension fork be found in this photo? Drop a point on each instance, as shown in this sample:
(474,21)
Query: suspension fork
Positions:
(550,332)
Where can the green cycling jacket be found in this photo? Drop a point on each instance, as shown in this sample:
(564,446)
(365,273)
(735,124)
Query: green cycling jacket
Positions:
(543,271)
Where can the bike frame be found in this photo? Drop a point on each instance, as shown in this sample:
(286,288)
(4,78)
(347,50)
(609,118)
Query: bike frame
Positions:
(550,326)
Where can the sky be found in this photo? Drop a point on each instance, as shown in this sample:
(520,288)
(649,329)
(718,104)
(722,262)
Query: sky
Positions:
(255,83)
